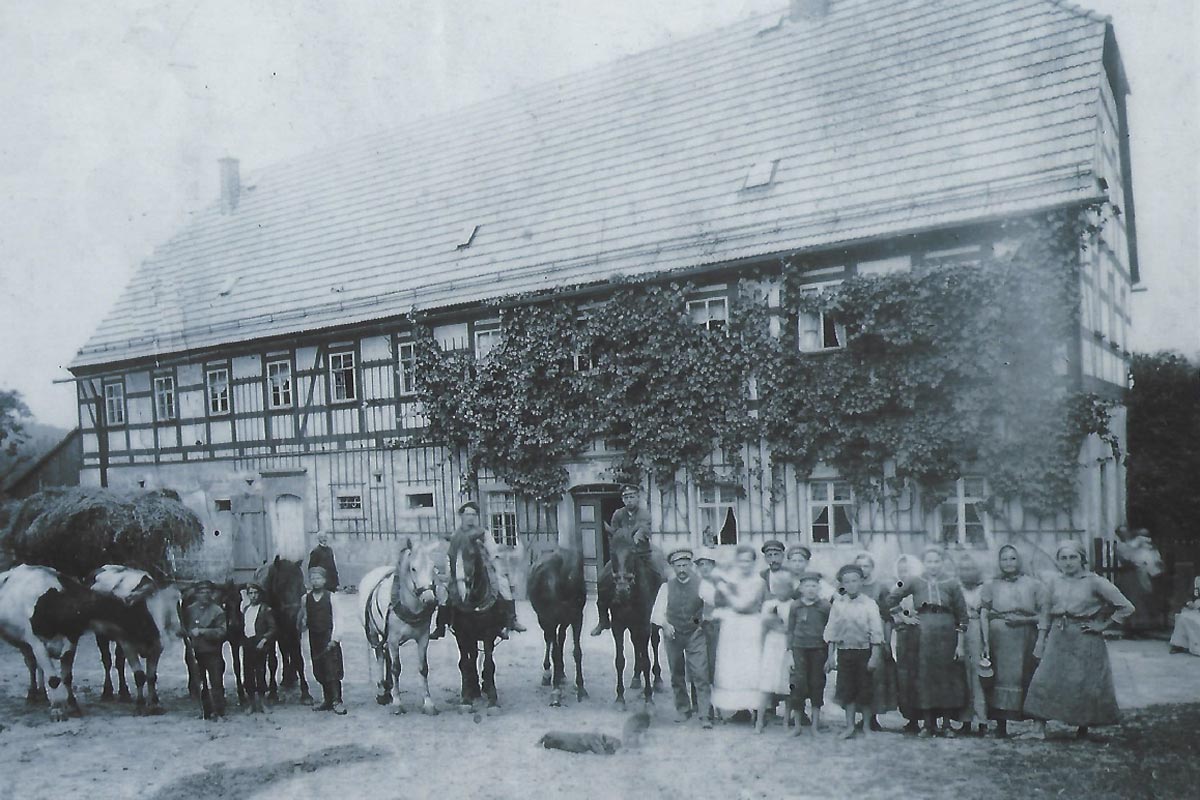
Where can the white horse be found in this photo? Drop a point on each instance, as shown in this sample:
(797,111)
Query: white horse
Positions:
(388,624)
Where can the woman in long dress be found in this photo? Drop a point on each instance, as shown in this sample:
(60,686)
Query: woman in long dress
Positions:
(1074,682)
(1010,606)
(975,712)
(941,689)
(908,640)
(740,597)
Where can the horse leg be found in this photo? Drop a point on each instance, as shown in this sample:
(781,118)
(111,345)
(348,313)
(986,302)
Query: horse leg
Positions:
(467,652)
(298,661)
(489,677)
(139,676)
(576,632)
(641,646)
(427,704)
(618,633)
(554,634)
(235,649)
(37,679)
(106,662)
(655,640)
(548,635)
(68,676)
(636,681)
(122,687)
(393,647)
(152,683)
(272,666)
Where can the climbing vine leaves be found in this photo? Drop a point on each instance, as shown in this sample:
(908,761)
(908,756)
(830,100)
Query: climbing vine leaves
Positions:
(945,369)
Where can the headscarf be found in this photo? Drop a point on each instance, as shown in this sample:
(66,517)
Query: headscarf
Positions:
(1020,563)
(1073,545)
(915,567)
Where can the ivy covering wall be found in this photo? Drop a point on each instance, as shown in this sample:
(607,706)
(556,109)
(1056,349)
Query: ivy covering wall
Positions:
(945,370)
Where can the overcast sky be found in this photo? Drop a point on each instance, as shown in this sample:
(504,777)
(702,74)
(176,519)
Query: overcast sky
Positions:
(113,119)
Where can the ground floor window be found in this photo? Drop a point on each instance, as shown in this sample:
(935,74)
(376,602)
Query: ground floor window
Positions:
(962,515)
(502,517)
(830,512)
(718,513)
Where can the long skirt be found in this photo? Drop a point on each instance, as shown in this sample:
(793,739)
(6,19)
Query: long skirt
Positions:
(908,645)
(739,653)
(1187,631)
(1013,663)
(1074,682)
(884,689)
(941,683)
(774,672)
(976,708)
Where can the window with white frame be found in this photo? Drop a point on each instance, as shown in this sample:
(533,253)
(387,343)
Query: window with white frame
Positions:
(831,512)
(279,383)
(349,504)
(962,515)
(819,331)
(164,397)
(709,312)
(502,517)
(718,512)
(406,354)
(114,403)
(342,384)
(486,341)
(218,391)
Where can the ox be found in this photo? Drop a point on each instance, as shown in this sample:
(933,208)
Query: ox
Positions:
(141,634)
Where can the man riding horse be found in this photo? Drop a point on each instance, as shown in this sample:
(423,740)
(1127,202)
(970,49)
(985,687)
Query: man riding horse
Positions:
(468,526)
(632,520)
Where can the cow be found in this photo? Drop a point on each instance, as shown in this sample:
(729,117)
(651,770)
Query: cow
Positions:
(152,619)
(43,614)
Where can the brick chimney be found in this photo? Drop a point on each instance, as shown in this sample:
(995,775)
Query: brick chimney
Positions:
(809,9)
(231,184)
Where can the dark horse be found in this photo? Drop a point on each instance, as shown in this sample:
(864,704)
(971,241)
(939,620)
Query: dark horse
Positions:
(231,602)
(635,585)
(477,618)
(283,586)
(558,594)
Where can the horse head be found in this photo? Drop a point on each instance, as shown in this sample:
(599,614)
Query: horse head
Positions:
(624,576)
(284,586)
(417,572)
(470,571)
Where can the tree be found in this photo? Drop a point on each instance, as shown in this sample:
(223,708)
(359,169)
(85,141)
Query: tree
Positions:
(13,413)
(1164,445)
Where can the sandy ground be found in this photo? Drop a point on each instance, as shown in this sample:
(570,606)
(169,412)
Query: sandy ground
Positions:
(294,753)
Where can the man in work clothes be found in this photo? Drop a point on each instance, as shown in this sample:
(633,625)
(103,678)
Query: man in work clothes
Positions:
(633,519)
(679,611)
(206,630)
(468,525)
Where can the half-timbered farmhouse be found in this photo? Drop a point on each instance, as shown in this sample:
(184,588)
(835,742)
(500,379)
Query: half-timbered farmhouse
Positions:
(261,363)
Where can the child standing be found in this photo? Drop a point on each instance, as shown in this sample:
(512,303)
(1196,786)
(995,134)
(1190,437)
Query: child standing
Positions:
(774,667)
(258,634)
(206,628)
(706,564)
(855,636)
(316,617)
(806,637)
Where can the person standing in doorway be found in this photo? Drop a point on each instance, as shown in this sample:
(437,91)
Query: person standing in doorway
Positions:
(322,556)
(632,520)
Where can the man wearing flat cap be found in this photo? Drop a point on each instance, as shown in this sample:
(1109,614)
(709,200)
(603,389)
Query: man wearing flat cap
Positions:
(205,624)
(679,611)
(472,531)
(632,520)
(772,551)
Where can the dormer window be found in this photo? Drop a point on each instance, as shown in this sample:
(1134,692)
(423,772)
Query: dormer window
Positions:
(762,173)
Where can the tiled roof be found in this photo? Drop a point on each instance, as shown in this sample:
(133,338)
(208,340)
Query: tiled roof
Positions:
(885,117)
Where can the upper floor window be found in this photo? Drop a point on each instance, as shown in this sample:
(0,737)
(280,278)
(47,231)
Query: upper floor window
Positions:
(817,330)
(342,385)
(164,397)
(718,513)
(830,512)
(279,384)
(710,312)
(502,517)
(114,403)
(407,353)
(218,391)
(486,341)
(962,516)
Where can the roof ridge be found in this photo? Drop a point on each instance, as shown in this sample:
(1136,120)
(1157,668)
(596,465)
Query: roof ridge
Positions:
(1079,10)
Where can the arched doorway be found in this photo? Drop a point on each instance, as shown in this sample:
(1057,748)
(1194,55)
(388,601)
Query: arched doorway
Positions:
(288,538)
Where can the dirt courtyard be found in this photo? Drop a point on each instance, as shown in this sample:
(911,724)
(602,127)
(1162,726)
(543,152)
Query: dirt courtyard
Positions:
(294,753)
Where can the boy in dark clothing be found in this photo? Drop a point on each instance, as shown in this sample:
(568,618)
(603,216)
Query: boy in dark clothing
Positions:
(207,630)
(316,617)
(258,635)
(806,638)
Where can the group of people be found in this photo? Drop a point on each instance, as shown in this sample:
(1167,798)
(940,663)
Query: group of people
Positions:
(939,643)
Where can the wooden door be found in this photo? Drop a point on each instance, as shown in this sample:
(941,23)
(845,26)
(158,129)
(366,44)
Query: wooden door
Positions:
(287,528)
(591,511)
(249,541)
